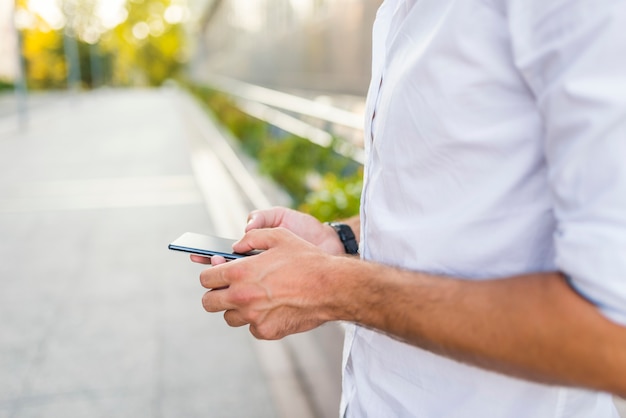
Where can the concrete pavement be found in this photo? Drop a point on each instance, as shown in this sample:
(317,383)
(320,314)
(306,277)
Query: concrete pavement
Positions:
(97,317)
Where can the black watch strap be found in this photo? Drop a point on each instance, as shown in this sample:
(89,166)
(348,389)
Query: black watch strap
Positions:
(346,235)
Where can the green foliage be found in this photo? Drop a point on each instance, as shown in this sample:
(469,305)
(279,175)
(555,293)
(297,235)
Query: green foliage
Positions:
(44,63)
(96,65)
(151,59)
(45,60)
(319,181)
(288,161)
(6,85)
(144,49)
(336,197)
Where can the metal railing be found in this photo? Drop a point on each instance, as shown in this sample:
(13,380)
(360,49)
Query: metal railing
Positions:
(289,113)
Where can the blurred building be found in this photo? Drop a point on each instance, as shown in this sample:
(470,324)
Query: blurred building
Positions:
(319,45)
(8,42)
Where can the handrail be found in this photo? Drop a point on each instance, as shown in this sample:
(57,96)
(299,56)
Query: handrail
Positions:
(287,102)
(302,129)
(264,104)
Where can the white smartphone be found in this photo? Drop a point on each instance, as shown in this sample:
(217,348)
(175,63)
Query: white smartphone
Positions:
(207,246)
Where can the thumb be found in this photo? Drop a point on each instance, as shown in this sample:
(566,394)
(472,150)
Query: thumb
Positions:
(265,218)
(260,239)
(255,221)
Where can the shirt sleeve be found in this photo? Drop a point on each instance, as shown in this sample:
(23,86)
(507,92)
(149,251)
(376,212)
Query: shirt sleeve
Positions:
(572,55)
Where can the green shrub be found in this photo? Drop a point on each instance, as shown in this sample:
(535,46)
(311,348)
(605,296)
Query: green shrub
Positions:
(336,198)
(319,181)
(5,85)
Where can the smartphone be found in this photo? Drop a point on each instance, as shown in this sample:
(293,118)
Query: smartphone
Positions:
(207,245)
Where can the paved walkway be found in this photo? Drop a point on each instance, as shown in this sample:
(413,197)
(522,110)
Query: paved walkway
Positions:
(97,317)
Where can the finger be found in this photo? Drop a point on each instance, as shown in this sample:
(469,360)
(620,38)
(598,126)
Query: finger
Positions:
(233,318)
(216,301)
(265,333)
(265,218)
(214,278)
(200,259)
(216,260)
(260,239)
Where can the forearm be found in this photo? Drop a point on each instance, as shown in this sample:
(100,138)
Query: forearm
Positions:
(533,326)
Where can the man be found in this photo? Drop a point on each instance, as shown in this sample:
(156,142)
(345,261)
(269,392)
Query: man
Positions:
(492,278)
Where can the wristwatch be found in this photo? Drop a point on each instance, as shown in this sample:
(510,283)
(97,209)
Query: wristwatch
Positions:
(346,235)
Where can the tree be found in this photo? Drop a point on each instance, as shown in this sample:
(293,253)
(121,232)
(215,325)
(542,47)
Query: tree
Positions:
(148,46)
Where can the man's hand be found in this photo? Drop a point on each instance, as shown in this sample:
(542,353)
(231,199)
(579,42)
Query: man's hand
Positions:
(533,326)
(303,225)
(278,292)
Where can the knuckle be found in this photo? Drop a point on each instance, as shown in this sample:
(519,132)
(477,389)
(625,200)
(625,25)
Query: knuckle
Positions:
(232,318)
(253,330)
(204,277)
(237,271)
(253,317)
(265,331)
(206,304)
(243,295)
(228,317)
(283,234)
(257,332)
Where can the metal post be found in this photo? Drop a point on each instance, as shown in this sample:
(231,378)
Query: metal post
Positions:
(20,78)
(72,57)
(94,63)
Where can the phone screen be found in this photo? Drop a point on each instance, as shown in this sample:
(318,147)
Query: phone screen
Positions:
(206,245)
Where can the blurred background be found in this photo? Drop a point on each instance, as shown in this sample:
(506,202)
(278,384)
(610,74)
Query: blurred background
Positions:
(123,124)
(314,45)
(317,50)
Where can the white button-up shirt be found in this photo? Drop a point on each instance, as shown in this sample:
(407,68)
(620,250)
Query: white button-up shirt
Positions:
(496,145)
